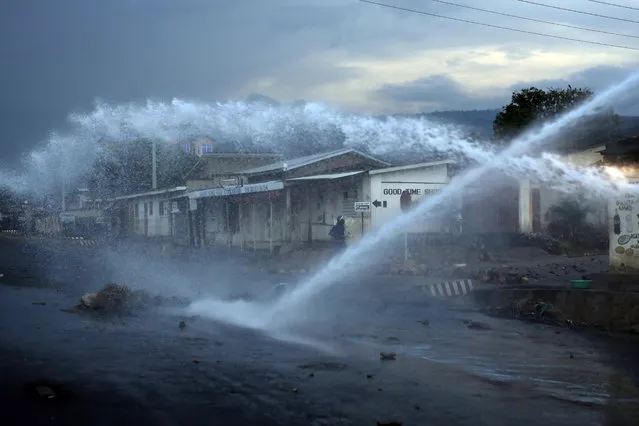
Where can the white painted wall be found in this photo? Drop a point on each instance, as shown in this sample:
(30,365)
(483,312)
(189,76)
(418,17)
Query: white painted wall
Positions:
(423,182)
(159,225)
(624,241)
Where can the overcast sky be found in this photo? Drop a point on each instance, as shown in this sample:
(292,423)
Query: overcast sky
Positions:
(58,56)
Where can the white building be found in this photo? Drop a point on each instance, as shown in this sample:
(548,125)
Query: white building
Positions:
(421,181)
(148,214)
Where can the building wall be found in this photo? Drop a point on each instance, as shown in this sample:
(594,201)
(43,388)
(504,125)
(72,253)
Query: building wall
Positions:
(314,207)
(245,221)
(225,164)
(152,217)
(491,205)
(423,183)
(529,212)
(624,231)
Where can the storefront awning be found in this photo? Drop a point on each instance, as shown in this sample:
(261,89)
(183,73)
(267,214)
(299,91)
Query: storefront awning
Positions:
(246,189)
(330,177)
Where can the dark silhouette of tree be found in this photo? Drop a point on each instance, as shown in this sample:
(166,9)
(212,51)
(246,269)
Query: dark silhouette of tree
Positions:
(532,107)
(126,168)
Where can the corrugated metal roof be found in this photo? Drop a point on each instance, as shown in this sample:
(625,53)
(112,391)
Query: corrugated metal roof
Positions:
(331,176)
(411,166)
(296,163)
(150,193)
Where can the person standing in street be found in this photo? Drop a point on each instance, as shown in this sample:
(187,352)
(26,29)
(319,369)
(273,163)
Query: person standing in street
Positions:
(338,234)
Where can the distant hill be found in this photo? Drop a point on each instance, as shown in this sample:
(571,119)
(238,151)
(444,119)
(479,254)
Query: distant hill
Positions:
(481,121)
(476,121)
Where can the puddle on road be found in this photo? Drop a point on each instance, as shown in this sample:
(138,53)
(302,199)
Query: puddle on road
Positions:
(582,381)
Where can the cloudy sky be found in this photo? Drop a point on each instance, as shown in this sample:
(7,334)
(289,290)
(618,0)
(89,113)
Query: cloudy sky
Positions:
(59,56)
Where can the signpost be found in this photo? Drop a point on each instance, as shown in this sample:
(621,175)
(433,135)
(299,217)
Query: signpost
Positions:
(405,201)
(362,207)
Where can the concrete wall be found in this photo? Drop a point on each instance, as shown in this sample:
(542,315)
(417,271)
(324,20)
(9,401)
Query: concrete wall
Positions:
(423,182)
(611,310)
(624,237)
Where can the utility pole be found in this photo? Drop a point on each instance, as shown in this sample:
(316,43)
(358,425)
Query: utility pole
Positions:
(64,195)
(154,165)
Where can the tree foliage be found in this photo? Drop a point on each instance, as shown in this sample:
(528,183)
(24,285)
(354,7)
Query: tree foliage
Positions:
(533,106)
(126,168)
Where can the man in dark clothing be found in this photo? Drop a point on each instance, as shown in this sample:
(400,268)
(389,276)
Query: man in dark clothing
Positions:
(338,233)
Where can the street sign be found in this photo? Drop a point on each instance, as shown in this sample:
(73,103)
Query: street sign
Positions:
(362,206)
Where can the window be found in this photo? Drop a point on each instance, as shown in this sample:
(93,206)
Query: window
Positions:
(187,147)
(162,208)
(206,148)
(151,208)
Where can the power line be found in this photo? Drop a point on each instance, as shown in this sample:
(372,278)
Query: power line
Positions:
(421,12)
(541,21)
(614,4)
(578,11)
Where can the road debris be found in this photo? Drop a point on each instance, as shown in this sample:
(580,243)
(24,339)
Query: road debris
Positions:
(182,325)
(476,325)
(387,356)
(389,423)
(39,303)
(424,322)
(45,392)
(112,299)
(195,361)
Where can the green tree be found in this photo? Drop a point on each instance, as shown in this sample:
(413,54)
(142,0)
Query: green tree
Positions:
(533,106)
(126,168)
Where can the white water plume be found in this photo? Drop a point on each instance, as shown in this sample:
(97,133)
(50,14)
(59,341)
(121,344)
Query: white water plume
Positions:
(291,309)
(69,156)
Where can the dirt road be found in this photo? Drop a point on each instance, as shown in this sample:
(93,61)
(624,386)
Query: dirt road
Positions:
(144,370)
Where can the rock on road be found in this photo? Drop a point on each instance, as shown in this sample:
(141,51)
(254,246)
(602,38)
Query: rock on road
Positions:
(144,370)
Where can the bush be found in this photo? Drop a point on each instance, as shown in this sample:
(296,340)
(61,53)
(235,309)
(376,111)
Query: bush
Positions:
(568,223)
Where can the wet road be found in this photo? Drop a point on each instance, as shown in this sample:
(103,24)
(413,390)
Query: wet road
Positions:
(143,370)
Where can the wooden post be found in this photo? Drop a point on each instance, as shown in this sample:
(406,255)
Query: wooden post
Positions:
(310,216)
(239,226)
(288,236)
(229,239)
(253,227)
(270,232)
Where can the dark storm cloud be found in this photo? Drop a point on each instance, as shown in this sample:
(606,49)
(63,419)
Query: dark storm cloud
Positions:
(443,92)
(434,92)
(58,56)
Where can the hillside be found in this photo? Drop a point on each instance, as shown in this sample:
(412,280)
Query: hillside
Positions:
(481,121)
